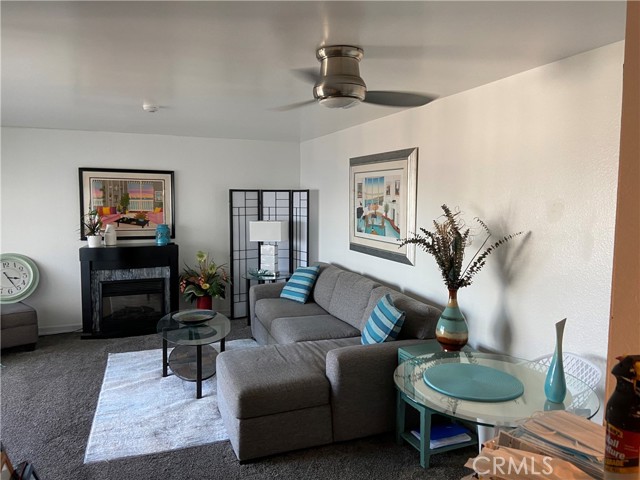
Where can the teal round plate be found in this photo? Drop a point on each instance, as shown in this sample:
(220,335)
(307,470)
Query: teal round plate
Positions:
(473,382)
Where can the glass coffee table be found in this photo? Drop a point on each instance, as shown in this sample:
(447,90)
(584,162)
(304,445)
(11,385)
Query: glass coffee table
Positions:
(192,332)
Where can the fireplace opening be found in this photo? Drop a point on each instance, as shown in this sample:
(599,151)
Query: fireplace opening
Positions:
(131,307)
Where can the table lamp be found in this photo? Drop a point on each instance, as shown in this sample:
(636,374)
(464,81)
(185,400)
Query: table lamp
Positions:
(272,232)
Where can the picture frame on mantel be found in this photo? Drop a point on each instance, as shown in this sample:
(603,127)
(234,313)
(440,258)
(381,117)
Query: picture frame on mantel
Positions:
(383,204)
(133,201)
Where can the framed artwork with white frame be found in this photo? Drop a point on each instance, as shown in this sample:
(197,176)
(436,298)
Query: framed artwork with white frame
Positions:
(383,204)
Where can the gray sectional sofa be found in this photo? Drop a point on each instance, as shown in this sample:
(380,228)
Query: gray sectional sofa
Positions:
(313,382)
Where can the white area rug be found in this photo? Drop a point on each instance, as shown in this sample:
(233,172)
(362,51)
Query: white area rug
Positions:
(140,413)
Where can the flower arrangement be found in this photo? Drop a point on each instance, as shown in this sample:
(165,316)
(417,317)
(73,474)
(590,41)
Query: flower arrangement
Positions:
(447,244)
(92,222)
(206,278)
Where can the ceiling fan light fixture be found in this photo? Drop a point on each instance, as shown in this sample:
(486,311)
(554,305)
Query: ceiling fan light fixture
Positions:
(340,84)
(338,102)
(150,107)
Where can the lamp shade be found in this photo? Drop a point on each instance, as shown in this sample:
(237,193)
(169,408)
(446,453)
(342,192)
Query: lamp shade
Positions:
(268,231)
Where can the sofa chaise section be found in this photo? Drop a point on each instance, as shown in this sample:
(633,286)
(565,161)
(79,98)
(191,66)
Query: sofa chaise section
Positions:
(276,398)
(313,382)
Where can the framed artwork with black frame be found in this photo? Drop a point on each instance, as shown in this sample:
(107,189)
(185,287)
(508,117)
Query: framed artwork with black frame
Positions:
(135,202)
(383,204)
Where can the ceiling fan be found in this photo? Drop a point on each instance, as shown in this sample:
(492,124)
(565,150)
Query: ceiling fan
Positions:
(339,84)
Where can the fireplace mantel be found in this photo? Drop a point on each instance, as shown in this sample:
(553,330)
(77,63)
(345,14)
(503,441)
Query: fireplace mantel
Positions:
(124,257)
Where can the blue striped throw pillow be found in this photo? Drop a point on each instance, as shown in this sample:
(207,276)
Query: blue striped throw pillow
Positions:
(299,286)
(384,323)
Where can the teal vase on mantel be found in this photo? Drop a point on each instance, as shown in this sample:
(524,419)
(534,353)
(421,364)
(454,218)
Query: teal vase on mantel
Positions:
(452,332)
(555,385)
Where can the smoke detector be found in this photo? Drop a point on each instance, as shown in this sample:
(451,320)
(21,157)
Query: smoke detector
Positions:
(150,107)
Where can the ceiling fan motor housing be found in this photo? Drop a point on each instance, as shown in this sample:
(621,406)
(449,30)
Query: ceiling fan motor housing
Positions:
(340,84)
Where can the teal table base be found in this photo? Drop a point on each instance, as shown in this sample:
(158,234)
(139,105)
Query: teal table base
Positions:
(403,432)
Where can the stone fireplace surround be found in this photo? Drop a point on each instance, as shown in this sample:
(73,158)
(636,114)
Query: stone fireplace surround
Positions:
(125,263)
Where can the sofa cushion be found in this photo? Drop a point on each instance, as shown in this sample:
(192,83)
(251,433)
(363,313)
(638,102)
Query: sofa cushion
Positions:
(420,318)
(268,309)
(384,323)
(299,286)
(350,298)
(326,283)
(256,382)
(313,327)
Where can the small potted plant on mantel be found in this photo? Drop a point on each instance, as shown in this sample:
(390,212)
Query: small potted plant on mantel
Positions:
(92,224)
(204,282)
(447,244)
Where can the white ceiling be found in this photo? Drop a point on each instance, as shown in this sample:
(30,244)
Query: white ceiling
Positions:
(220,69)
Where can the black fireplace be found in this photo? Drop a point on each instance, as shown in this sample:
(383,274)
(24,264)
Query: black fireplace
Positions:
(127,289)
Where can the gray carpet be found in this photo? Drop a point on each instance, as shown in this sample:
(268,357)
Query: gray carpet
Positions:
(49,398)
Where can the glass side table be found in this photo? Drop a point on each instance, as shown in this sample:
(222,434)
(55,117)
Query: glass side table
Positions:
(261,278)
(192,332)
(412,390)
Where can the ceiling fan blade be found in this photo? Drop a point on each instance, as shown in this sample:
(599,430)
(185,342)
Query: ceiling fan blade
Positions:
(397,99)
(293,106)
(309,75)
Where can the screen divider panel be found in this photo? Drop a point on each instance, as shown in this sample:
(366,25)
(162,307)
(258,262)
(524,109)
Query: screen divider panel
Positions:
(252,205)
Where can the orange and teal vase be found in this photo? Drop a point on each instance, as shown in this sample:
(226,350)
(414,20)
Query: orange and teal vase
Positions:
(452,331)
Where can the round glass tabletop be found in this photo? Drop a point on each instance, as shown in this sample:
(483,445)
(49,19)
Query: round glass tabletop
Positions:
(194,327)
(410,380)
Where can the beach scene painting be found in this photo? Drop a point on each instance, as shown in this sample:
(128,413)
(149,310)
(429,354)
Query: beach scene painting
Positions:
(135,203)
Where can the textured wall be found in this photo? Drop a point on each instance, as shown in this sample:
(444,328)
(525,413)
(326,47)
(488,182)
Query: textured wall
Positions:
(537,151)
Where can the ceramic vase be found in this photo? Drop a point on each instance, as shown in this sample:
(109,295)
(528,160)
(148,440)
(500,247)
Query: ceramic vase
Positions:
(204,303)
(452,332)
(110,236)
(94,241)
(555,386)
(162,234)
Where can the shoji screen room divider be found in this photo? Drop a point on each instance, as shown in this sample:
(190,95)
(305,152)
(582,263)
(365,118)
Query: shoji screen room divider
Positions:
(252,205)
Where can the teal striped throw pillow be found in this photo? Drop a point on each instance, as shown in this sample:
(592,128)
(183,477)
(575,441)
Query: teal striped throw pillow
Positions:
(384,323)
(299,286)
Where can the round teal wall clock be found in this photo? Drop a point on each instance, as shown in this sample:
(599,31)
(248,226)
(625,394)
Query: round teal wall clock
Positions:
(19,277)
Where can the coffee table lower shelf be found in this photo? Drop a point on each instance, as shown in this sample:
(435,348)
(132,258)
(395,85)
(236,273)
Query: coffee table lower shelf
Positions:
(423,443)
(193,363)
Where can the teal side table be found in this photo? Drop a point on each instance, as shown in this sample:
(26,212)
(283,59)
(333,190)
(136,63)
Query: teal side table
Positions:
(403,433)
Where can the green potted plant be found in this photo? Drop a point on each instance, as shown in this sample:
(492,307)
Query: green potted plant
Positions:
(203,282)
(92,224)
(447,243)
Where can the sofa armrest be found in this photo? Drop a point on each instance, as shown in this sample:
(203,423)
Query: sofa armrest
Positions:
(363,396)
(260,291)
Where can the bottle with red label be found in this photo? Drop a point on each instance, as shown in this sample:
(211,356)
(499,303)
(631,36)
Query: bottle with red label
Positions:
(622,448)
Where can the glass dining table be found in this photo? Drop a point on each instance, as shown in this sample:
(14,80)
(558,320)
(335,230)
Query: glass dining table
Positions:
(485,389)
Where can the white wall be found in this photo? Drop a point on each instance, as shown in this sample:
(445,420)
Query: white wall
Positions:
(40,198)
(537,151)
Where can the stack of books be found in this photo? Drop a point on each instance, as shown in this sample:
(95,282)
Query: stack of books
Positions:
(445,434)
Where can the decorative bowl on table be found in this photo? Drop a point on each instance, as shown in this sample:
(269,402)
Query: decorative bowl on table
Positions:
(194,317)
